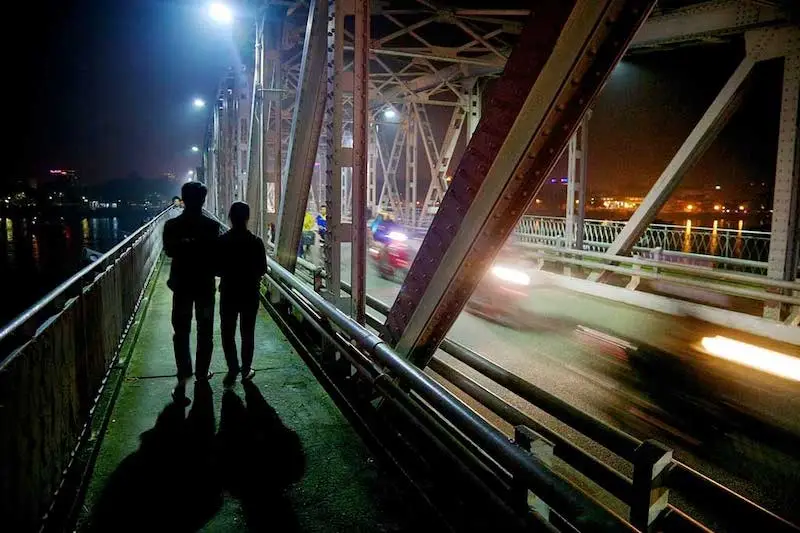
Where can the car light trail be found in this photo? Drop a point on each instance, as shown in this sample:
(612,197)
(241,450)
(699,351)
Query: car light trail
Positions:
(511,275)
(774,363)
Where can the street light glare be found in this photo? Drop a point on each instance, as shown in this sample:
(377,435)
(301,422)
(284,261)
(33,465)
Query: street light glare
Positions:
(199,102)
(220,13)
(389,113)
(191,172)
(195,149)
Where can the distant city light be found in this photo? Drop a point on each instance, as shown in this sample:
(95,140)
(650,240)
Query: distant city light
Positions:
(389,113)
(717,207)
(199,102)
(741,208)
(717,187)
(220,13)
(690,207)
(195,149)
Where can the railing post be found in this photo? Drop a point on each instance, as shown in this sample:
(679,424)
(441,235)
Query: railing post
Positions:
(532,442)
(635,280)
(650,494)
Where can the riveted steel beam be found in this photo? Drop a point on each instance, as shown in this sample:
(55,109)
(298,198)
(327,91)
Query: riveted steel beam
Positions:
(303,138)
(358,185)
(565,53)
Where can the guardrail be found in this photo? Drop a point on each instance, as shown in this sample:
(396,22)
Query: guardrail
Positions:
(57,355)
(655,472)
(717,242)
(749,286)
(487,452)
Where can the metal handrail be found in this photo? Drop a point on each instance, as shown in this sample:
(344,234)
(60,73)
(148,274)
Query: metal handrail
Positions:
(551,487)
(588,245)
(756,233)
(51,296)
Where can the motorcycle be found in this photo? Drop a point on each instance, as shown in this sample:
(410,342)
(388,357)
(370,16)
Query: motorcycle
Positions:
(392,256)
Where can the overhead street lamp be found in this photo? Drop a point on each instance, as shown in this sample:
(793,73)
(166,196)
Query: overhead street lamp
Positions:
(220,13)
(195,149)
(389,113)
(199,103)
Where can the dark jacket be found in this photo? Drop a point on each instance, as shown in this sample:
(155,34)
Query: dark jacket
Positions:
(241,262)
(190,239)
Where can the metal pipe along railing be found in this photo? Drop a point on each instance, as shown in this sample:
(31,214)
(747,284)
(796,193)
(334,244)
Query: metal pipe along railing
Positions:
(553,489)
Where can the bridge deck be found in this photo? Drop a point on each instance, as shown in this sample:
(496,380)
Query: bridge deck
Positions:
(226,462)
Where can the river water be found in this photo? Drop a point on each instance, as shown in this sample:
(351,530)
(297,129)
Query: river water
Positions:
(36,255)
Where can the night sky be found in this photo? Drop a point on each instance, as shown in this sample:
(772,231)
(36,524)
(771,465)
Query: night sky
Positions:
(105,87)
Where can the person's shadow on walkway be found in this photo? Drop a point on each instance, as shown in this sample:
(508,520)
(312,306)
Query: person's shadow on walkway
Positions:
(259,458)
(170,483)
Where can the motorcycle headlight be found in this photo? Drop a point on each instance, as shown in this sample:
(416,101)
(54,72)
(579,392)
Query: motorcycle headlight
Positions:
(511,275)
(397,236)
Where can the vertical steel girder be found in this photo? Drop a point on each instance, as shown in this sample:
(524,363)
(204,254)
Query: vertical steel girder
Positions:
(304,137)
(372,170)
(412,136)
(271,148)
(760,46)
(255,177)
(358,254)
(565,53)
(784,247)
(576,186)
(331,246)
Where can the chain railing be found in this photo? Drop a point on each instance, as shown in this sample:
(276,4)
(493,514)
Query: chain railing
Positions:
(54,361)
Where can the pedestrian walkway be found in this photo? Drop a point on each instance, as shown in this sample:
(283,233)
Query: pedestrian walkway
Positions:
(274,455)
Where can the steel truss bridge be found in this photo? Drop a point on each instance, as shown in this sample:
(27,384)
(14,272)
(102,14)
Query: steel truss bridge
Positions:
(333,109)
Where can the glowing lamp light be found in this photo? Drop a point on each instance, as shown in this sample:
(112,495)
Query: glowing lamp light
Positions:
(195,149)
(389,113)
(717,207)
(775,363)
(511,275)
(220,13)
(199,103)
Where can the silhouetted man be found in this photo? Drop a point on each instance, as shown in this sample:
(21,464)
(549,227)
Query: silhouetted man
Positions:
(242,263)
(190,240)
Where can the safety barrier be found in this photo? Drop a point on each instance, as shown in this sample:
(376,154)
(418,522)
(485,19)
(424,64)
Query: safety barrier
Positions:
(645,495)
(465,437)
(693,277)
(57,355)
(752,247)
